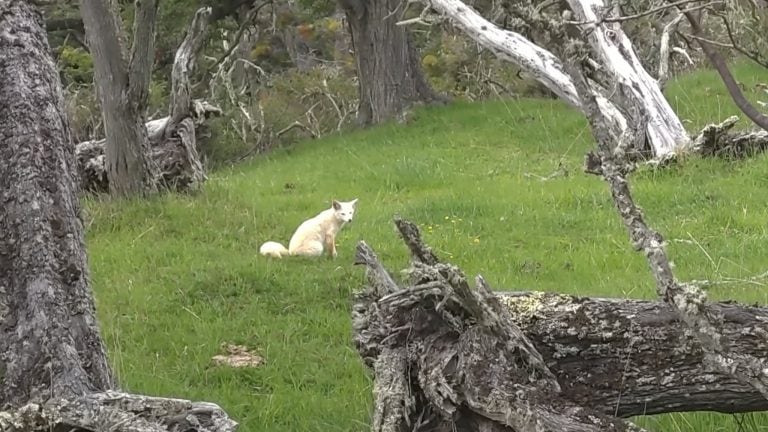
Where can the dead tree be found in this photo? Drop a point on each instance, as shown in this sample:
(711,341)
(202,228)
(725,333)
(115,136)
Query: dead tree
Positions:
(611,56)
(172,150)
(447,356)
(389,74)
(55,373)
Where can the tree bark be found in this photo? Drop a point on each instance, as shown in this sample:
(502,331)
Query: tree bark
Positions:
(390,79)
(446,356)
(51,345)
(449,357)
(122,88)
(624,356)
(54,374)
(173,142)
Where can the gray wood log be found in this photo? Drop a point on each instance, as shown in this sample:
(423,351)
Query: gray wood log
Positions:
(624,356)
(446,355)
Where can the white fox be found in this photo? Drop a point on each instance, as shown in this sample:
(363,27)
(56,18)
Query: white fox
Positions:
(315,235)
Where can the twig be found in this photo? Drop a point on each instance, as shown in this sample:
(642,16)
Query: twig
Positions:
(648,12)
(719,64)
(249,18)
(664,51)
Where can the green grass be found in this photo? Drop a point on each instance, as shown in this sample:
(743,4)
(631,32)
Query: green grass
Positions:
(176,276)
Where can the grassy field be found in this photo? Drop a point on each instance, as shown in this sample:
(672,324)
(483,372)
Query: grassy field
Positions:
(177,276)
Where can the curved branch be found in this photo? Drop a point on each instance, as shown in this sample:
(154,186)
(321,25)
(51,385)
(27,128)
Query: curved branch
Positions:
(719,64)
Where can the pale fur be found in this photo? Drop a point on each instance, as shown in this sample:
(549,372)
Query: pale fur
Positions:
(316,235)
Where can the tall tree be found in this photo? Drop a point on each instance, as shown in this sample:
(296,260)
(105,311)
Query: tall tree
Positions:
(51,344)
(388,68)
(123,89)
(51,351)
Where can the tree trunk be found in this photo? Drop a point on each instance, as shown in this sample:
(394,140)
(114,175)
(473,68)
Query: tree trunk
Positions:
(624,356)
(54,373)
(447,356)
(122,89)
(389,73)
(51,345)
(173,142)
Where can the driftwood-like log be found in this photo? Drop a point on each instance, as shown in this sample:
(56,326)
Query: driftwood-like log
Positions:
(624,357)
(450,357)
(719,140)
(173,152)
(115,411)
(472,355)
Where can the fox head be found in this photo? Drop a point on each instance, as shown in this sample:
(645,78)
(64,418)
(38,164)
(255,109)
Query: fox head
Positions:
(345,211)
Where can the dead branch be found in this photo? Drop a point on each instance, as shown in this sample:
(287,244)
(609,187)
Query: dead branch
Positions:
(249,20)
(117,412)
(651,11)
(664,50)
(719,64)
(686,299)
(447,356)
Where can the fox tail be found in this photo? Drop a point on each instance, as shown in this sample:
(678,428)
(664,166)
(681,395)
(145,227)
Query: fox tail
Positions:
(273,249)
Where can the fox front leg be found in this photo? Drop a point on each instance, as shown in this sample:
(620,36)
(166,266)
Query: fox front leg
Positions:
(330,245)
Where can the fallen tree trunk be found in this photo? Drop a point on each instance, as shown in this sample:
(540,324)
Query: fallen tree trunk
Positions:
(173,142)
(173,151)
(449,356)
(621,356)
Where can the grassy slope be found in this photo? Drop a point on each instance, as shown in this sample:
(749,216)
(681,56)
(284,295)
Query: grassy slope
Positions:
(177,276)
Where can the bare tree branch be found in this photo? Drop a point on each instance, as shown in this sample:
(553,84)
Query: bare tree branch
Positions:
(686,299)
(719,64)
(616,19)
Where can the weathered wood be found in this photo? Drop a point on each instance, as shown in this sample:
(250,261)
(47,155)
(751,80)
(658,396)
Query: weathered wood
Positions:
(173,143)
(616,357)
(624,356)
(450,357)
(118,412)
(615,54)
(54,373)
(719,140)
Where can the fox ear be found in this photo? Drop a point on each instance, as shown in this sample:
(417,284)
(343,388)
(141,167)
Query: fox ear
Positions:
(354,203)
(336,205)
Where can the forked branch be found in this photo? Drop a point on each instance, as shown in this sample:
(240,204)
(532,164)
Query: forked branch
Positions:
(687,299)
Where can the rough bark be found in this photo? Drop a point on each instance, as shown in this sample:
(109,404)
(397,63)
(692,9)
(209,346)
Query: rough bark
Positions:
(449,357)
(122,90)
(173,143)
(116,412)
(623,356)
(42,255)
(54,374)
(390,79)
